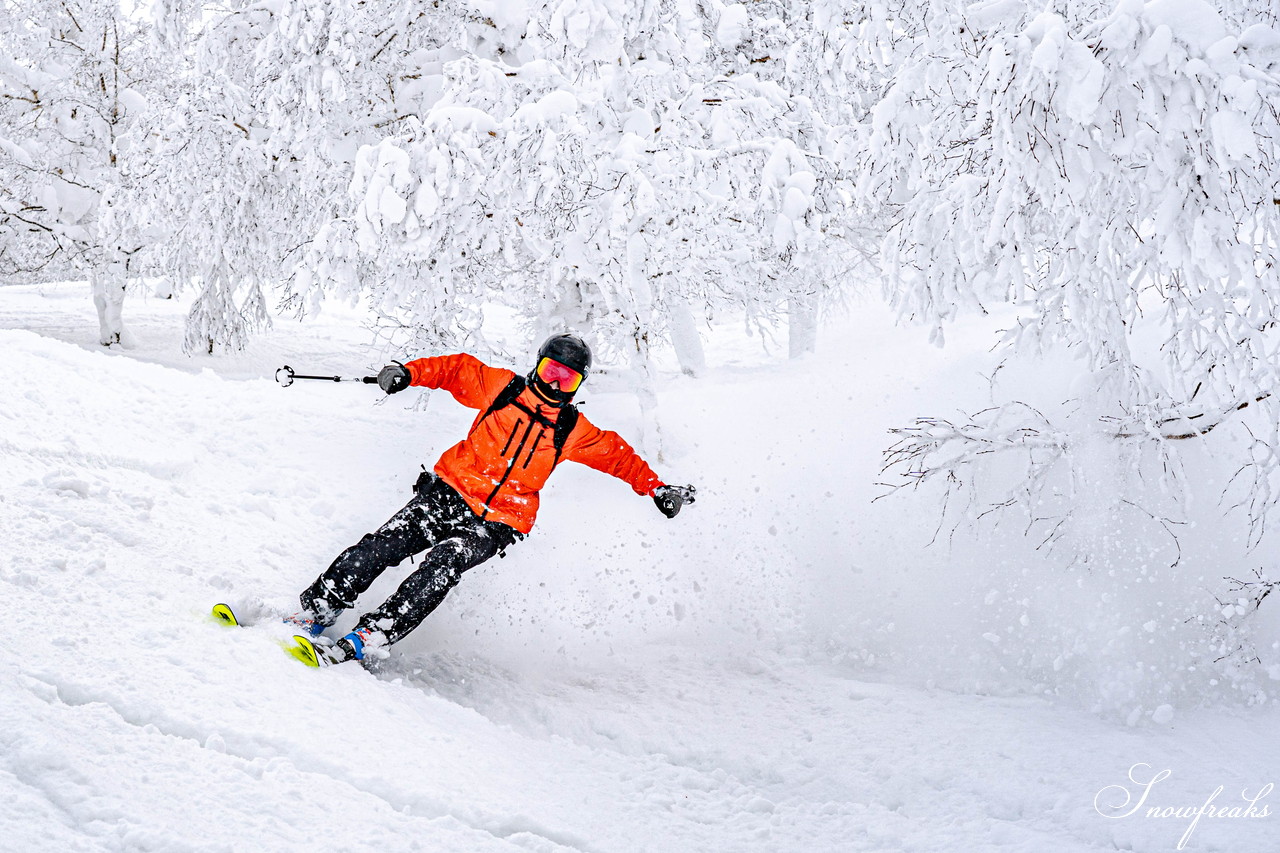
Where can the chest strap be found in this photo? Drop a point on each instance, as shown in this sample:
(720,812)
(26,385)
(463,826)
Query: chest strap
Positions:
(561,428)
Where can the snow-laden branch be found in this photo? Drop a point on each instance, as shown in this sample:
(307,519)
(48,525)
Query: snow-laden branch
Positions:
(936,446)
(1112,174)
(1106,173)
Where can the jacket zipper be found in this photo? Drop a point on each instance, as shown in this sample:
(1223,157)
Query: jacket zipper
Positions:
(537,439)
(515,429)
(511,463)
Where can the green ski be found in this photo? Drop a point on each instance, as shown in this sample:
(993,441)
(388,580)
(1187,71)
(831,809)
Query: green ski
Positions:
(298,647)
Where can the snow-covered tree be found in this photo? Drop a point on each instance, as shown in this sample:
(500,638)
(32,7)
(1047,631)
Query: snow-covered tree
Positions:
(624,169)
(258,150)
(1116,178)
(73,78)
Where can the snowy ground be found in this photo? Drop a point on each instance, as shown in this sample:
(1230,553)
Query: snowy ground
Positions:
(784,667)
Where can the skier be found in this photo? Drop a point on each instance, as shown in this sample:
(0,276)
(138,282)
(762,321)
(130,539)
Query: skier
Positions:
(481,497)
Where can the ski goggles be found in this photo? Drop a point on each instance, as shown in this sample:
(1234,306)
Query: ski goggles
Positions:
(550,370)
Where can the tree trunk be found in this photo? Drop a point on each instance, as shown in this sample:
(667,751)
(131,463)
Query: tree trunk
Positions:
(639,293)
(802,320)
(108,281)
(684,335)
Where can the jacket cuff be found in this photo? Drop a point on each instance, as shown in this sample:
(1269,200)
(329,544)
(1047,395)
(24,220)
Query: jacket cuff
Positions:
(415,371)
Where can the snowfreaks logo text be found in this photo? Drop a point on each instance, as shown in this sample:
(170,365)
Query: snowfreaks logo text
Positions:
(1117,802)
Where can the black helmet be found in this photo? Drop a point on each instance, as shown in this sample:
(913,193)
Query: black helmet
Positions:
(570,351)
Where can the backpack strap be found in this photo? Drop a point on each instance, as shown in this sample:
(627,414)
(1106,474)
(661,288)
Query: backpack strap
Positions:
(564,427)
(565,422)
(505,397)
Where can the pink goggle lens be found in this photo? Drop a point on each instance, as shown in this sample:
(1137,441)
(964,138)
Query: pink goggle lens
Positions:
(550,371)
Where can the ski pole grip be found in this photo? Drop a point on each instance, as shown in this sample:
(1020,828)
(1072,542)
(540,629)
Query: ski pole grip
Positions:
(370,380)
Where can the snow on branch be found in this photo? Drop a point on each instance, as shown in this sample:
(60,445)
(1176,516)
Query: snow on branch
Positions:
(1111,174)
(933,446)
(1026,461)
(1201,423)
(937,448)
(1234,637)
(635,204)
(1106,173)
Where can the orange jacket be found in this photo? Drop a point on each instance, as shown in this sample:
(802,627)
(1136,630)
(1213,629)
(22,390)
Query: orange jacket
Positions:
(506,458)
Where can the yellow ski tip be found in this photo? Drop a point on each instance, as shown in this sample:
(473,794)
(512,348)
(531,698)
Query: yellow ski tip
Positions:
(223,614)
(302,649)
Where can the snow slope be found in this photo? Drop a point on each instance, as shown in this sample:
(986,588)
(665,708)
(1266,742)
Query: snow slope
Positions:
(755,675)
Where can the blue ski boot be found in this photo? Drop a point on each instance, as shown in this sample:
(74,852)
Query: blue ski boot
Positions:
(350,647)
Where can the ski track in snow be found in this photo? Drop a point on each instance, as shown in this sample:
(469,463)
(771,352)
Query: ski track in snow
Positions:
(551,705)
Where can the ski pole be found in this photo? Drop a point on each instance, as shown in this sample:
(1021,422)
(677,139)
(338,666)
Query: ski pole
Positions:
(285,377)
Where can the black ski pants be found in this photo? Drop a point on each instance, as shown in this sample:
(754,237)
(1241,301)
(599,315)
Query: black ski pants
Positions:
(437,519)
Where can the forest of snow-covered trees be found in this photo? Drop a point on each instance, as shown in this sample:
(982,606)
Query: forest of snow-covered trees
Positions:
(639,170)
(647,171)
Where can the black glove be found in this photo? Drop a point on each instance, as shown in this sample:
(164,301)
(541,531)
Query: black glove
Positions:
(670,498)
(394,377)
